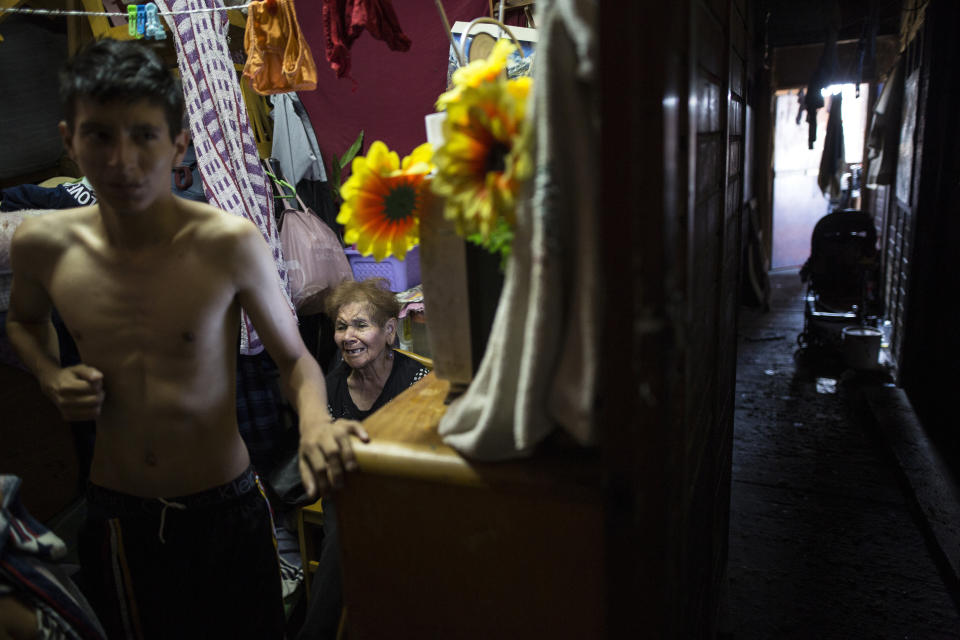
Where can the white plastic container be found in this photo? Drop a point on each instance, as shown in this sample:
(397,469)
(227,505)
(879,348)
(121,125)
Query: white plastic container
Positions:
(861,347)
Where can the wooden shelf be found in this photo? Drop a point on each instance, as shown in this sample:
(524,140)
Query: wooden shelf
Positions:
(404,443)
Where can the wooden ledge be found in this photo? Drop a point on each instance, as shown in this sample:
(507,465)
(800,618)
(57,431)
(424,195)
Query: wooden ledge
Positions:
(404,443)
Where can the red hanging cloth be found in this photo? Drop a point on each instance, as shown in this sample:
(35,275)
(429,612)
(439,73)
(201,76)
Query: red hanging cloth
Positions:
(345,20)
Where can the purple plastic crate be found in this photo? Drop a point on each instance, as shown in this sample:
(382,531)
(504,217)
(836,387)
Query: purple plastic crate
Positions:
(402,274)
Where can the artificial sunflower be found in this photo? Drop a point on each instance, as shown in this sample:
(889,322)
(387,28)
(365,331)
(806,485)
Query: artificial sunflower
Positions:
(478,72)
(383,198)
(482,161)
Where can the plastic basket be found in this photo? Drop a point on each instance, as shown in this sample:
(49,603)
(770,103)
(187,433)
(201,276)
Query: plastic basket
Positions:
(401,274)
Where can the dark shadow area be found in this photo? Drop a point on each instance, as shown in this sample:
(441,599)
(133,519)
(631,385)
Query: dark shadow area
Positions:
(823,541)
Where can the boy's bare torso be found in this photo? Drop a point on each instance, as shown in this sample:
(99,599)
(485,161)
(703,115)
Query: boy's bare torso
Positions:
(161,324)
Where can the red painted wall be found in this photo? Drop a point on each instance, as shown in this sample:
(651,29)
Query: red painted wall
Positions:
(391,91)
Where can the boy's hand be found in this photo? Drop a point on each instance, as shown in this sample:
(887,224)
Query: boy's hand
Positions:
(77,392)
(326,453)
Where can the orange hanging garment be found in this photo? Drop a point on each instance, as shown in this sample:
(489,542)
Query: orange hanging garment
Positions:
(278,57)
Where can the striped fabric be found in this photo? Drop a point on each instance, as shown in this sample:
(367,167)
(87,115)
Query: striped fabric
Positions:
(227,157)
(30,569)
(126,599)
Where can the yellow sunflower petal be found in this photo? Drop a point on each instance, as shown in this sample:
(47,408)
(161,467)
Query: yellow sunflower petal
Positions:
(487,69)
(352,185)
(419,160)
(520,87)
(346,213)
(447,98)
(381,160)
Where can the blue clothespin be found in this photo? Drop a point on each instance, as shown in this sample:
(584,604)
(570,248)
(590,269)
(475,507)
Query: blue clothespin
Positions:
(154,28)
(141,20)
(132,20)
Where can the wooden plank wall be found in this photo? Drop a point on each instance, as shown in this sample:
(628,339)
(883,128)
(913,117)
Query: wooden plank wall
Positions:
(719,46)
(924,277)
(671,212)
(899,224)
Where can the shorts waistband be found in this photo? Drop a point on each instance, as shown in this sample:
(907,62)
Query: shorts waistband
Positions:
(111,500)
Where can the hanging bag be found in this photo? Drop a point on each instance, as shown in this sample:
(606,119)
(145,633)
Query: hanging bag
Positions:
(278,56)
(314,258)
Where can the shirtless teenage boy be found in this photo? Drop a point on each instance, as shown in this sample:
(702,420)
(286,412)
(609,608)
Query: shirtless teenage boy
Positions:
(178,541)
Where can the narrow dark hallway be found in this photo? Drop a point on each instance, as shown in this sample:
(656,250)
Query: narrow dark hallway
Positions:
(823,542)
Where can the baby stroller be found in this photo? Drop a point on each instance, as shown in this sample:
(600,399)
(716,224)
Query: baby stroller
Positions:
(842,277)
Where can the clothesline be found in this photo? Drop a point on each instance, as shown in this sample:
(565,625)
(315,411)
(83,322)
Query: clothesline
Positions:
(73,12)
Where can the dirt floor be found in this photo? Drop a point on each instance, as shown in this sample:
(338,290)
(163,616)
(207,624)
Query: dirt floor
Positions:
(823,541)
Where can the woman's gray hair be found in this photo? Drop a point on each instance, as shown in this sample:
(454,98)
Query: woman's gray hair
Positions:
(373,292)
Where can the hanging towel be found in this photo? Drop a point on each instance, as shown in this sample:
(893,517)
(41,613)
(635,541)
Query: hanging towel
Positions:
(278,56)
(540,367)
(833,160)
(226,148)
(883,141)
(345,20)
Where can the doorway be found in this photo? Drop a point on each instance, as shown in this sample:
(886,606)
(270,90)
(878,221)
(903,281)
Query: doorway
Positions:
(797,200)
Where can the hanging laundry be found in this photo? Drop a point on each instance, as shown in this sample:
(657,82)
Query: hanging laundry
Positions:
(258,110)
(297,156)
(883,140)
(345,20)
(825,73)
(833,160)
(278,56)
(294,143)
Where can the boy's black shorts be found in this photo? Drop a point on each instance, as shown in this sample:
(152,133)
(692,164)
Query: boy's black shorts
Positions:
(197,566)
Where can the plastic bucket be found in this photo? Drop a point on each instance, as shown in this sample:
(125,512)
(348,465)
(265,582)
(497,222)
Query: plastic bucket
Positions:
(861,347)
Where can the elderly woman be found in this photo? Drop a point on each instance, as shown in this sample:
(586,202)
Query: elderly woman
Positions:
(371,374)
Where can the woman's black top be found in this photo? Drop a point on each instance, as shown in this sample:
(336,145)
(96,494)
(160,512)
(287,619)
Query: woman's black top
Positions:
(405,372)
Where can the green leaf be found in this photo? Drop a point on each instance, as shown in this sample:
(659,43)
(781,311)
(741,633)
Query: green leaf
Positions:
(352,151)
(339,164)
(335,171)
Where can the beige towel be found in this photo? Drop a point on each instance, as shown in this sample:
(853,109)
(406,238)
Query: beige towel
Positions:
(540,368)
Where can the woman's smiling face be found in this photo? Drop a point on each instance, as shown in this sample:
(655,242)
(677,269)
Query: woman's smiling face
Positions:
(360,339)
